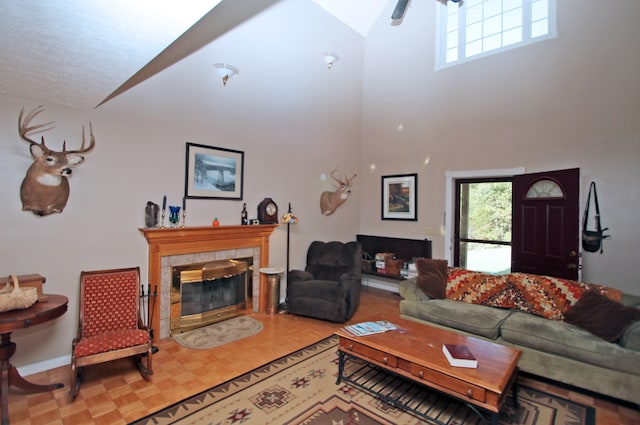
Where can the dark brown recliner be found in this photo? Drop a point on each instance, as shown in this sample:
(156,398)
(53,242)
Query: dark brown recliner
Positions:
(329,286)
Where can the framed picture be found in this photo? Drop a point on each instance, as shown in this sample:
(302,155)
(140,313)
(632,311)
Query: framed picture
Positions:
(400,197)
(213,172)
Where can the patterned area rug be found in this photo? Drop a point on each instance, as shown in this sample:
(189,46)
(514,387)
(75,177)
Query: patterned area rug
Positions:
(301,389)
(219,333)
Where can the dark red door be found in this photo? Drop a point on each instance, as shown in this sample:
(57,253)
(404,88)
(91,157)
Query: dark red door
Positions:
(546,228)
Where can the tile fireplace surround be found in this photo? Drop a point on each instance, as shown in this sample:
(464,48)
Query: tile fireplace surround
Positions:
(187,245)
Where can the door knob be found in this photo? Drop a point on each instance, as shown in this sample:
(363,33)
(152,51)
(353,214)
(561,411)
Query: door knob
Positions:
(573,254)
(572,266)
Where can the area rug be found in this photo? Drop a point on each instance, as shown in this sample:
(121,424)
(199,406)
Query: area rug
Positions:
(219,333)
(301,389)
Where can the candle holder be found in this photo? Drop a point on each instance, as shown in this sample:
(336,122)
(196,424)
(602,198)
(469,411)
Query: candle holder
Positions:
(184,217)
(164,208)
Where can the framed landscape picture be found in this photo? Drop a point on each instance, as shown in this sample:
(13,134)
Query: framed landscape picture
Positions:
(213,172)
(399,197)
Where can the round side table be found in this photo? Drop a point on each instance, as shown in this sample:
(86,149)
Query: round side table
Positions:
(41,312)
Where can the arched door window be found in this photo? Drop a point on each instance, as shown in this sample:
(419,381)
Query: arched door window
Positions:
(544,189)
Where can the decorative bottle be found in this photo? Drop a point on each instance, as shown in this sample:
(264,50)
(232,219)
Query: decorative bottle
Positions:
(244,218)
(151,214)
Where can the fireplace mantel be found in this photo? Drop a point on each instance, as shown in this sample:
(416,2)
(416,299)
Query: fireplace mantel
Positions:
(188,240)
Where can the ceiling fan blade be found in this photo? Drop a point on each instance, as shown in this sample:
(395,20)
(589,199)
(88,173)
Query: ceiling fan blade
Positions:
(399,10)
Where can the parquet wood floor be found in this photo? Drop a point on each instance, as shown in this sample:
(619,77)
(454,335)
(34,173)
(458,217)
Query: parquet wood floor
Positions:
(115,393)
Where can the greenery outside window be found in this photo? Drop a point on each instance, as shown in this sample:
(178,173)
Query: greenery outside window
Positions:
(483,225)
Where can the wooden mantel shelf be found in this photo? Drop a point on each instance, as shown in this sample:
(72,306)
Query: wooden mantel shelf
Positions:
(190,240)
(205,233)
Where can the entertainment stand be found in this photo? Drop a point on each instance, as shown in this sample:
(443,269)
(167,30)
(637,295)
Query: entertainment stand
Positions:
(402,248)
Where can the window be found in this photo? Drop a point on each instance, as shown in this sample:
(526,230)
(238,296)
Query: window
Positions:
(545,189)
(483,224)
(471,29)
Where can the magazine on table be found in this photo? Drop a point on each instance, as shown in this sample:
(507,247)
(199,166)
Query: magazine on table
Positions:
(369,328)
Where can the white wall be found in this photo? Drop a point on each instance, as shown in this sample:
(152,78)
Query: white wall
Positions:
(293,118)
(569,102)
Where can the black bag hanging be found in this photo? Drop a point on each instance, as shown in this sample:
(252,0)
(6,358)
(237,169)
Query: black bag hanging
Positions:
(592,239)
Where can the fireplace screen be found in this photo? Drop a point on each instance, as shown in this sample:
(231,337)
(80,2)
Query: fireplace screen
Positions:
(206,293)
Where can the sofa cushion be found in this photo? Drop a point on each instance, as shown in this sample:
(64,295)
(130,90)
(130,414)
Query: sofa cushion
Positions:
(473,318)
(631,337)
(630,300)
(564,339)
(432,277)
(601,316)
(408,289)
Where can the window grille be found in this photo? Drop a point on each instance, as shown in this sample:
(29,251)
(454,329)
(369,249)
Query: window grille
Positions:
(471,29)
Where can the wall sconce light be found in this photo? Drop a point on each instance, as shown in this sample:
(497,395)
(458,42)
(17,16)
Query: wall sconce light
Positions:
(330,58)
(225,71)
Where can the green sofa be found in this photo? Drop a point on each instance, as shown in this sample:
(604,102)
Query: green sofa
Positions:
(551,349)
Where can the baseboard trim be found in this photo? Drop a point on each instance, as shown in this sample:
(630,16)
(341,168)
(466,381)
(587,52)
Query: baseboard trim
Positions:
(45,365)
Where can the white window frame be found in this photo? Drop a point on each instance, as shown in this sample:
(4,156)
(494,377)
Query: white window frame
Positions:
(441,36)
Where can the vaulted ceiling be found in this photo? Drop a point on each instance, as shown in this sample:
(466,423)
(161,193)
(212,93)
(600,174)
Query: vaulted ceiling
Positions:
(81,54)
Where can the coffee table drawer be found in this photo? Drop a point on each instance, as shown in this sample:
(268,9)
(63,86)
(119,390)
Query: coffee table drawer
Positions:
(465,389)
(368,352)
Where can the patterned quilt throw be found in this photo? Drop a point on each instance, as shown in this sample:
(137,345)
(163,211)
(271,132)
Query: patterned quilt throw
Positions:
(545,296)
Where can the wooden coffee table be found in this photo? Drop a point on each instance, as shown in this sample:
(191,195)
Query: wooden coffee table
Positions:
(414,353)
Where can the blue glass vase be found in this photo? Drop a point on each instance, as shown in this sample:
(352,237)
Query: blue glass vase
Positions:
(174,215)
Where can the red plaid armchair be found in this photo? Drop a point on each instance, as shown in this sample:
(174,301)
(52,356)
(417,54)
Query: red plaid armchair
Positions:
(110,323)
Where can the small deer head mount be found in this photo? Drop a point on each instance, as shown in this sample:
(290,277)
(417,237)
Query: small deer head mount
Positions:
(45,188)
(330,201)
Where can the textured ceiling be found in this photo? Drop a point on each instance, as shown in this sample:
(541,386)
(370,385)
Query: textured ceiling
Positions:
(82,53)
(76,52)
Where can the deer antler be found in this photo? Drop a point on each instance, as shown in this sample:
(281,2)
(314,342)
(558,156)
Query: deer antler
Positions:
(24,129)
(343,179)
(334,177)
(351,178)
(92,143)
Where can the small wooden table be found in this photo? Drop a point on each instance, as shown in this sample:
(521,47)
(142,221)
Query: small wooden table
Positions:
(41,312)
(415,353)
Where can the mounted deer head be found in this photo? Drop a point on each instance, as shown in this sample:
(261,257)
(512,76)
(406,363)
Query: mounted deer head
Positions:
(45,188)
(330,201)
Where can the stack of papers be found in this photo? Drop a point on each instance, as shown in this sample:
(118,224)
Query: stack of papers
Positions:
(369,328)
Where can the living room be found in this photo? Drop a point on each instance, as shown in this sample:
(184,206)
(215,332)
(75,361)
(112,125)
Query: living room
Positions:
(380,110)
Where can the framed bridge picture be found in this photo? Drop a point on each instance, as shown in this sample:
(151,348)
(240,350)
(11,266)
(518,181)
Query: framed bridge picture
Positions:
(213,172)
(400,197)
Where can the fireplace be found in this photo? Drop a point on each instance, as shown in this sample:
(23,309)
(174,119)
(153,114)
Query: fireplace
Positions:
(206,293)
(176,247)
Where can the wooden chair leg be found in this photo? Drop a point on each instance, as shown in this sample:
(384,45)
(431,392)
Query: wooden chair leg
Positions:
(76,380)
(144,369)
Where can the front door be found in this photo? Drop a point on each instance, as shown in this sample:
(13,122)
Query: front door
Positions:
(545,223)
